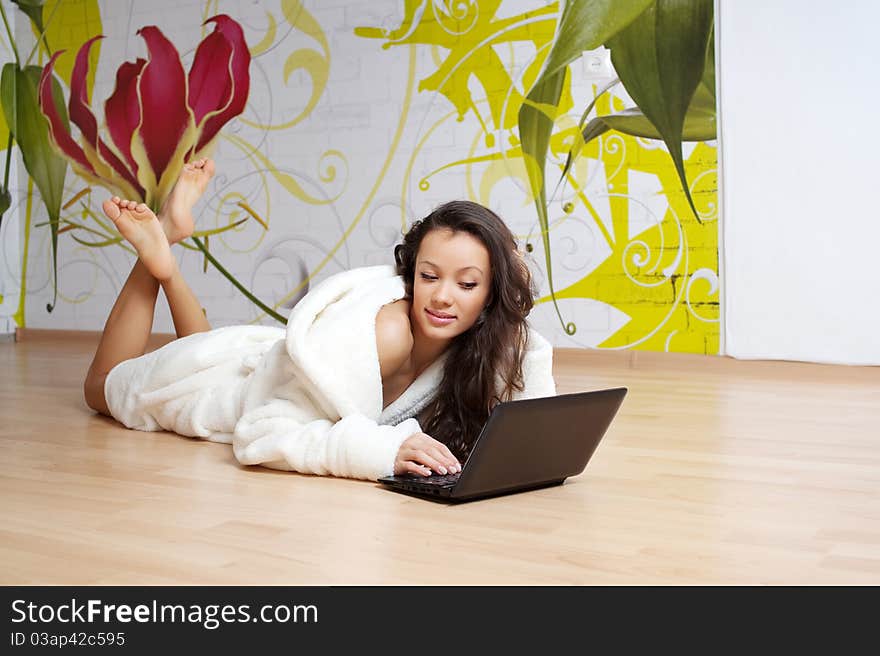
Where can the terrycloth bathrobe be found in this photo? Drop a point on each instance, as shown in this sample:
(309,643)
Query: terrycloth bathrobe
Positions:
(306,398)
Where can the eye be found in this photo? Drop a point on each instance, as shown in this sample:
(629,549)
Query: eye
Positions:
(467,286)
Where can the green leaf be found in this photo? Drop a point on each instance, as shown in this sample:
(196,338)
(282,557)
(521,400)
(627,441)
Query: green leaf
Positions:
(580,143)
(97,244)
(594,129)
(34,11)
(536,117)
(699,125)
(699,122)
(265,308)
(4,132)
(5,201)
(660,58)
(7,95)
(217,231)
(707,84)
(584,25)
(6,141)
(18,94)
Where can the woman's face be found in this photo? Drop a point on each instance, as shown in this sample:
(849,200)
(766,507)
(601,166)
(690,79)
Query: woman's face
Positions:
(452,279)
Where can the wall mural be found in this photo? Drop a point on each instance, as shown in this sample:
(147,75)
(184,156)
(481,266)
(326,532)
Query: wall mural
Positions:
(359,118)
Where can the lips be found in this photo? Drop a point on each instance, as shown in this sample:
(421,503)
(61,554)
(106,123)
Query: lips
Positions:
(441,315)
(437,320)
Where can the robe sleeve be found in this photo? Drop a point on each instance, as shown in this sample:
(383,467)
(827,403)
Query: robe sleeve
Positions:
(278,436)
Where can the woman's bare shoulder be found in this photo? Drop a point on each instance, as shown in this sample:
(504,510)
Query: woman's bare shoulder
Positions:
(394,339)
(396,314)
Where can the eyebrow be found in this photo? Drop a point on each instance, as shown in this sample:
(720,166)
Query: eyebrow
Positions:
(461,269)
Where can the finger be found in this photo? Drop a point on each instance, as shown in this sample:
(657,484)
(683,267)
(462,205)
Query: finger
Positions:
(416,468)
(445,455)
(447,463)
(452,459)
(430,461)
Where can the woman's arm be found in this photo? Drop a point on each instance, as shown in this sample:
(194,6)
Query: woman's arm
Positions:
(281,435)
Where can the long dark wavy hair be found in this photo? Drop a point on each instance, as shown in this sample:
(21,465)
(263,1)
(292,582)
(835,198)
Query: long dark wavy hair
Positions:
(493,348)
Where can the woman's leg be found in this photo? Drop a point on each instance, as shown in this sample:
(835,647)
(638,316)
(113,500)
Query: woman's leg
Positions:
(125,333)
(177,220)
(186,311)
(131,320)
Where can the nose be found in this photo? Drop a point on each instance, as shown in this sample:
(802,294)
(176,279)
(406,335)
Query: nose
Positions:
(442,296)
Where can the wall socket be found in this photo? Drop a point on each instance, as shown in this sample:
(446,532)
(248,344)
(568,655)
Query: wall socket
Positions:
(597,63)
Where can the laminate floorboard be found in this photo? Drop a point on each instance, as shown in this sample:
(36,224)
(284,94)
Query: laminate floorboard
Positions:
(716,471)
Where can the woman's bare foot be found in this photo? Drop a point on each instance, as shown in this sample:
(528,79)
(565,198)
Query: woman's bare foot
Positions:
(137,223)
(176,214)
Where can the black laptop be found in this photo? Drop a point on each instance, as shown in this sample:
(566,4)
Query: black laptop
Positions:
(524,445)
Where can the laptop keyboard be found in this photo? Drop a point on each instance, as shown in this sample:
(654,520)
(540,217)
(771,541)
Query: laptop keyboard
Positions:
(438,480)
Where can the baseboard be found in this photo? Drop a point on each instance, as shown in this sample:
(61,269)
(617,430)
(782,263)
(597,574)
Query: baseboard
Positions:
(723,365)
(639,359)
(49,334)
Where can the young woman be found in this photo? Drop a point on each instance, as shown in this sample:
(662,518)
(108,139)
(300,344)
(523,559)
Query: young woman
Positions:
(379,370)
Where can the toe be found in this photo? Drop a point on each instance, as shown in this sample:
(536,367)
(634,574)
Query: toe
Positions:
(111,209)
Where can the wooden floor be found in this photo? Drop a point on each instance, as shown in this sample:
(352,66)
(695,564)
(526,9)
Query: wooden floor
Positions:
(715,471)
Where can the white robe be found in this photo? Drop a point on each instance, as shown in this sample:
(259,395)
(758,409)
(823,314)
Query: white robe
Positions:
(307,398)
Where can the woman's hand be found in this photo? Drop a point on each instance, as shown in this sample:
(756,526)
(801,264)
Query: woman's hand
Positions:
(422,454)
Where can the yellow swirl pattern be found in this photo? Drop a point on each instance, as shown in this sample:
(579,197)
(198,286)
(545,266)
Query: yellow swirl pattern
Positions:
(665,279)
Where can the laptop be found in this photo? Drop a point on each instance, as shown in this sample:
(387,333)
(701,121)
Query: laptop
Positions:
(524,445)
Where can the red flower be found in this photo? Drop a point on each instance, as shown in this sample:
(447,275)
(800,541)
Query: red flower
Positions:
(158,118)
